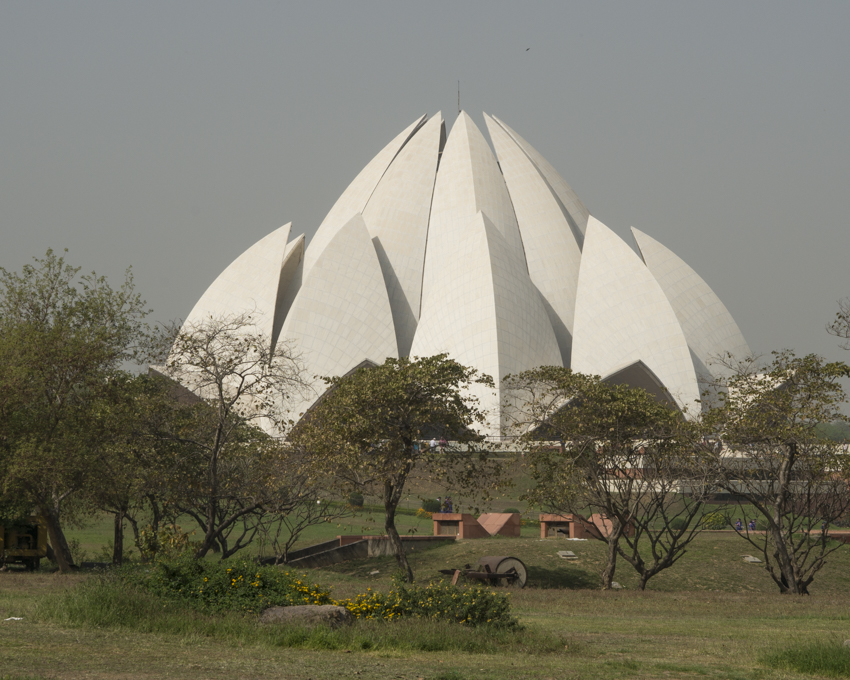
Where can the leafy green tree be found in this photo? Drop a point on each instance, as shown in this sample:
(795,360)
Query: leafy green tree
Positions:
(612,450)
(367,433)
(773,456)
(62,337)
(135,464)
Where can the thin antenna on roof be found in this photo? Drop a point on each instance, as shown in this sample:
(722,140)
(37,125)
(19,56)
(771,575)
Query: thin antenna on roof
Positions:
(458,97)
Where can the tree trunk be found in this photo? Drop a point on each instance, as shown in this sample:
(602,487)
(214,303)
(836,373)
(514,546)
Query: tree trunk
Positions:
(118,540)
(135,525)
(61,551)
(788,579)
(780,547)
(209,543)
(395,541)
(611,566)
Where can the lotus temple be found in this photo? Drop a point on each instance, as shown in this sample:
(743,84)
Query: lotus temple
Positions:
(441,245)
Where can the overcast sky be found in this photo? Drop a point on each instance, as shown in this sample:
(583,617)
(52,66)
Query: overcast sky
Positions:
(171,136)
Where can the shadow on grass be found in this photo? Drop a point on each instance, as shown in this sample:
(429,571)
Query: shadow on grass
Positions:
(568,577)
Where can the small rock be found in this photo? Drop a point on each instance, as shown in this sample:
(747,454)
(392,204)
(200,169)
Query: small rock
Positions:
(373,573)
(14,618)
(847,643)
(308,615)
(567,555)
(616,586)
(751,559)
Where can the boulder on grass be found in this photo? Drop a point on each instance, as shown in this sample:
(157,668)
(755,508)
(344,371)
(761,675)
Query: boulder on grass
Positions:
(309,615)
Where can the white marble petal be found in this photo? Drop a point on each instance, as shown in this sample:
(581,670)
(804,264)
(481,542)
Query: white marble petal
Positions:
(622,316)
(341,315)
(708,326)
(551,250)
(571,203)
(356,196)
(468,181)
(249,285)
(485,312)
(397,218)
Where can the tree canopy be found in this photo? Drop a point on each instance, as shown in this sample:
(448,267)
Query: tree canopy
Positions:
(63,338)
(369,432)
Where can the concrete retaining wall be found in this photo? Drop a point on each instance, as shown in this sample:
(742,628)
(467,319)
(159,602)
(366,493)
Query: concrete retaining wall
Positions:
(353,548)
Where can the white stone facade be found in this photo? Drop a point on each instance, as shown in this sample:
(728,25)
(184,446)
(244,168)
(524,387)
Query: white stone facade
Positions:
(437,247)
(623,316)
(708,326)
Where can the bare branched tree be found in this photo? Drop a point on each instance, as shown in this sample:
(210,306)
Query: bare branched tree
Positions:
(223,475)
(773,461)
(615,452)
(840,326)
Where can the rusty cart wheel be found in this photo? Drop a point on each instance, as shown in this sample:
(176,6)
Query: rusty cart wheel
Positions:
(515,572)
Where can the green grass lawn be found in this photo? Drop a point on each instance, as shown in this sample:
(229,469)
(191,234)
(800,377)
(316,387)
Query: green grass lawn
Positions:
(711,616)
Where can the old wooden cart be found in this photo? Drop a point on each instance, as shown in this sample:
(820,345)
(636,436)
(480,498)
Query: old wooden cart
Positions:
(497,570)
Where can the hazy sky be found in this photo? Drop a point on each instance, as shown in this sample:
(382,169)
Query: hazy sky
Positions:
(171,136)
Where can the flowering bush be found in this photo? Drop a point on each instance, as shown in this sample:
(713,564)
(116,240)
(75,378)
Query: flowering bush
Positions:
(242,585)
(714,520)
(473,605)
(423,514)
(226,586)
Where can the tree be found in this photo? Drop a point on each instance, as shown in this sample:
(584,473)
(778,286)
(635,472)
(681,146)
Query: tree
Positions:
(367,432)
(62,337)
(229,455)
(299,503)
(840,326)
(135,464)
(613,451)
(775,460)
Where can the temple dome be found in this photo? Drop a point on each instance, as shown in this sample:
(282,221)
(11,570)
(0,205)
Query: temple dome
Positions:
(438,245)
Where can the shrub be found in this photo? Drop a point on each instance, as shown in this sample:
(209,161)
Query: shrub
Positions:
(355,499)
(471,605)
(512,510)
(431,505)
(714,520)
(678,523)
(242,585)
(239,585)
